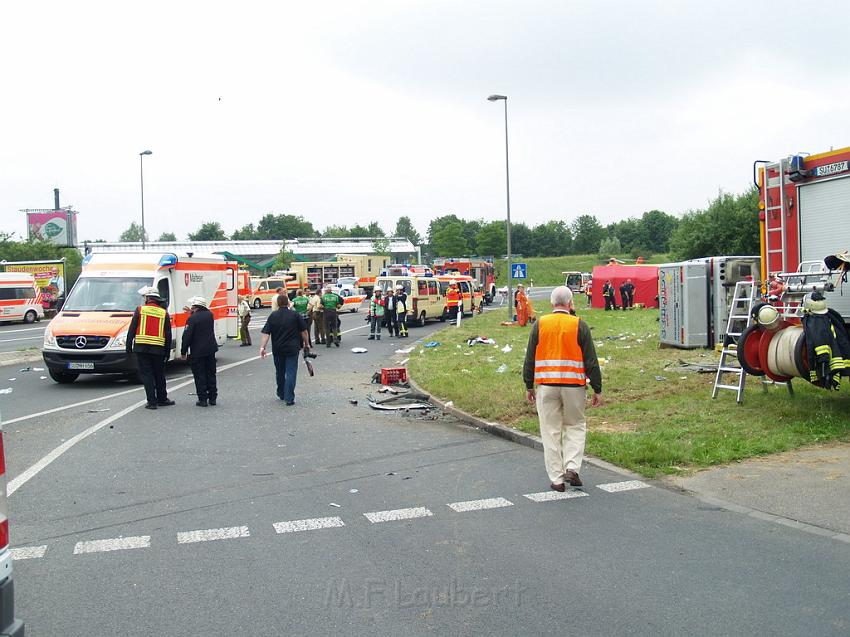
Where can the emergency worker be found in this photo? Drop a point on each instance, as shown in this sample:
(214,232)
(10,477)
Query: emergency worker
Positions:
(149,338)
(376,314)
(244,321)
(200,344)
(560,361)
(608,295)
(390,306)
(452,300)
(332,301)
(316,311)
(299,304)
(630,293)
(401,310)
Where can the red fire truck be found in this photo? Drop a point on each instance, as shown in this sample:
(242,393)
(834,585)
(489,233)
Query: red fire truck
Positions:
(479,269)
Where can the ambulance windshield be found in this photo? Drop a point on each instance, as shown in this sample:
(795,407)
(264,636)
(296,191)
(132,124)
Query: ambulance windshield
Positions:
(106,294)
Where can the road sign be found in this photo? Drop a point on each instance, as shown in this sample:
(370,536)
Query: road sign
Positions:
(519,271)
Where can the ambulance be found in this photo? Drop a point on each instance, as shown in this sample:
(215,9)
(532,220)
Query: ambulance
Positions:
(89,335)
(266,289)
(471,294)
(424,297)
(20,298)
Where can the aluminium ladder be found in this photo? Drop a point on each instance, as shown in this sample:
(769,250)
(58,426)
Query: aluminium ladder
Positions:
(740,318)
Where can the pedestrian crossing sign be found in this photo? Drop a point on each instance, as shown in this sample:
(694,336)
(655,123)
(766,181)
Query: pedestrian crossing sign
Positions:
(519,271)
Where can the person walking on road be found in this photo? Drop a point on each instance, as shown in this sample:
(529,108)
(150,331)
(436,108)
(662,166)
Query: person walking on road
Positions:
(401,311)
(299,304)
(244,321)
(332,301)
(200,344)
(560,360)
(317,315)
(376,313)
(608,295)
(288,334)
(149,338)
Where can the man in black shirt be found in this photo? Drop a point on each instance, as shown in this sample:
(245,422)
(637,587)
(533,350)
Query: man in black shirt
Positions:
(200,343)
(288,333)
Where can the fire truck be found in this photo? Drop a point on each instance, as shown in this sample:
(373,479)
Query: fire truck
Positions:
(481,270)
(318,274)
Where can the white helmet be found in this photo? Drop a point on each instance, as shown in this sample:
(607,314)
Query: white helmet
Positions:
(198,301)
(150,291)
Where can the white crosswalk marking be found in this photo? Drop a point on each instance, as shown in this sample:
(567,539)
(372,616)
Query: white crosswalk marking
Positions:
(478,505)
(548,496)
(311,524)
(113,544)
(397,514)
(28,552)
(209,535)
(628,485)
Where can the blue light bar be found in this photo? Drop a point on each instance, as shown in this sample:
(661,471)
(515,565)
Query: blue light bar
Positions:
(168,260)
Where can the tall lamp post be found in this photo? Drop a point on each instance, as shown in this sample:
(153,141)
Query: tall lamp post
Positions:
(496,98)
(142,181)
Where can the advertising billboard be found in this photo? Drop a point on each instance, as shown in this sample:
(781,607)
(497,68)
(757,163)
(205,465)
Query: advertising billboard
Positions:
(59,227)
(49,276)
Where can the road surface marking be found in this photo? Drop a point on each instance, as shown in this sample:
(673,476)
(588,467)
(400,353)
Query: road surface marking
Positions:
(29,552)
(23,338)
(24,329)
(208,535)
(548,496)
(18,481)
(478,505)
(114,544)
(397,514)
(308,525)
(628,485)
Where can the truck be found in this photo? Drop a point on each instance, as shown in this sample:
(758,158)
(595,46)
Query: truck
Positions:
(89,335)
(319,274)
(480,269)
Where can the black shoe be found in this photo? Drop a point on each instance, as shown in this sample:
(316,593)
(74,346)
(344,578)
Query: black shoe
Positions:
(572,477)
(202,403)
(371,338)
(212,401)
(150,406)
(328,344)
(289,403)
(165,403)
(337,344)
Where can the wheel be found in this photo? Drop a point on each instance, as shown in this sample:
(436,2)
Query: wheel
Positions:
(63,377)
(257,303)
(30,317)
(356,308)
(421,321)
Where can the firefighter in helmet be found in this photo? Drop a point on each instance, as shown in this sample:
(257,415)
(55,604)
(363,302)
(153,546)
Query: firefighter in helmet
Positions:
(149,338)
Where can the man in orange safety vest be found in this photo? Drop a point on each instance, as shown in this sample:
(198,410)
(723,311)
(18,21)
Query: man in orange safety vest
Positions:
(453,301)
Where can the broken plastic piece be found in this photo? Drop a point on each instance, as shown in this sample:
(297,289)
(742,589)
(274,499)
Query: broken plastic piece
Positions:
(507,348)
(359,350)
(501,369)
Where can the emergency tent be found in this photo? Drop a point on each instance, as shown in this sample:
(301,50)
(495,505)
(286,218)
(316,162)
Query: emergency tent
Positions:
(644,278)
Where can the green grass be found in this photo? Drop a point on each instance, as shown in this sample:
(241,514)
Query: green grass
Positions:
(668,425)
(547,270)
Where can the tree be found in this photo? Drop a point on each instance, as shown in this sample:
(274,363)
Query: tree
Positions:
(280,227)
(374,229)
(521,241)
(210,231)
(283,261)
(729,226)
(551,239)
(167,236)
(359,231)
(133,233)
(380,245)
(404,228)
(587,234)
(609,247)
(656,229)
(337,231)
(439,223)
(448,241)
(492,239)
(470,233)
(14,250)
(245,233)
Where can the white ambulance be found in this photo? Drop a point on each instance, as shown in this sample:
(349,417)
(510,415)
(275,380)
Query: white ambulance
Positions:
(20,298)
(89,335)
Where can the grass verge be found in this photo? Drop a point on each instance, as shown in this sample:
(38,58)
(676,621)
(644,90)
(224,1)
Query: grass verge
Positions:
(547,270)
(657,419)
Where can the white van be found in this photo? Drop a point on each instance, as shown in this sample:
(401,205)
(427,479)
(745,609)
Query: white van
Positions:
(20,298)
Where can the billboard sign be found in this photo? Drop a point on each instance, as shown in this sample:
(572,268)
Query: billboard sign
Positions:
(49,276)
(56,226)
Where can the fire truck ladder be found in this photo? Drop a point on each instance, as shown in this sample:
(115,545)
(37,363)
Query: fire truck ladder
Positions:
(740,318)
(775,213)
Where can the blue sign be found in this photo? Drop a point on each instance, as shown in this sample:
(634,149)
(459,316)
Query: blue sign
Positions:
(519,271)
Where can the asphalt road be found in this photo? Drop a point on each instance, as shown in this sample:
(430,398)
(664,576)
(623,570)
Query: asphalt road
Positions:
(16,336)
(254,518)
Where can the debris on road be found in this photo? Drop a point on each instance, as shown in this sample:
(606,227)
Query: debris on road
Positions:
(97,411)
(352,401)
(400,401)
(686,366)
(404,362)
(25,369)
(432,344)
(407,350)
(42,377)
(501,369)
(475,340)
(359,350)
(334,504)
(8,390)
(352,490)
(507,348)
(38,369)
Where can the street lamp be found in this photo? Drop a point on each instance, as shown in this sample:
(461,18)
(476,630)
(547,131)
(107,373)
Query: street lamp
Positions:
(142,180)
(496,98)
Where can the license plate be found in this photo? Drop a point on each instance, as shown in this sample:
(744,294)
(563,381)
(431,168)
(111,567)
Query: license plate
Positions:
(80,365)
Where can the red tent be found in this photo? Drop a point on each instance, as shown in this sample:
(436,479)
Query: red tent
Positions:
(644,278)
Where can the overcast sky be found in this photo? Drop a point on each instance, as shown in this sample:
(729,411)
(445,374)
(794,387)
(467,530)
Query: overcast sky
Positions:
(347,112)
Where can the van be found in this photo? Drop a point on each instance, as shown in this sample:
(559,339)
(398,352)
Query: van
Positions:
(424,298)
(89,335)
(20,298)
(266,289)
(9,625)
(577,281)
(471,294)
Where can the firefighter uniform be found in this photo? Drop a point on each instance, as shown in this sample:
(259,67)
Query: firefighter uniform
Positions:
(608,295)
(452,301)
(401,311)
(149,338)
(317,315)
(332,302)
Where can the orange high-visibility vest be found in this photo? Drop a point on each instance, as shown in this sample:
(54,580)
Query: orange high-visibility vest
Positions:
(452,297)
(558,359)
(151,329)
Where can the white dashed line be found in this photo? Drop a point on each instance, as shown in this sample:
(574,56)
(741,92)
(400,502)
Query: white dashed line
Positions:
(628,485)
(29,552)
(312,524)
(478,505)
(548,496)
(397,514)
(209,535)
(114,544)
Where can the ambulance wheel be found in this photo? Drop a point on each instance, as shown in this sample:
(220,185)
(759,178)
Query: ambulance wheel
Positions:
(421,321)
(356,308)
(30,317)
(63,378)
(257,303)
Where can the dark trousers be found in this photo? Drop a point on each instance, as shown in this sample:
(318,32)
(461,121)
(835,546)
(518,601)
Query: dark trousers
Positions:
(610,303)
(453,312)
(244,334)
(203,370)
(331,326)
(392,323)
(286,373)
(152,371)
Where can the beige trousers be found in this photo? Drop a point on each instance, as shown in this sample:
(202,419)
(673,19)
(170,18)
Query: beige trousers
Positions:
(563,428)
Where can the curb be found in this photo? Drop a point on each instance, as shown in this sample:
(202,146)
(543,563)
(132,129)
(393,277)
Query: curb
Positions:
(19,357)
